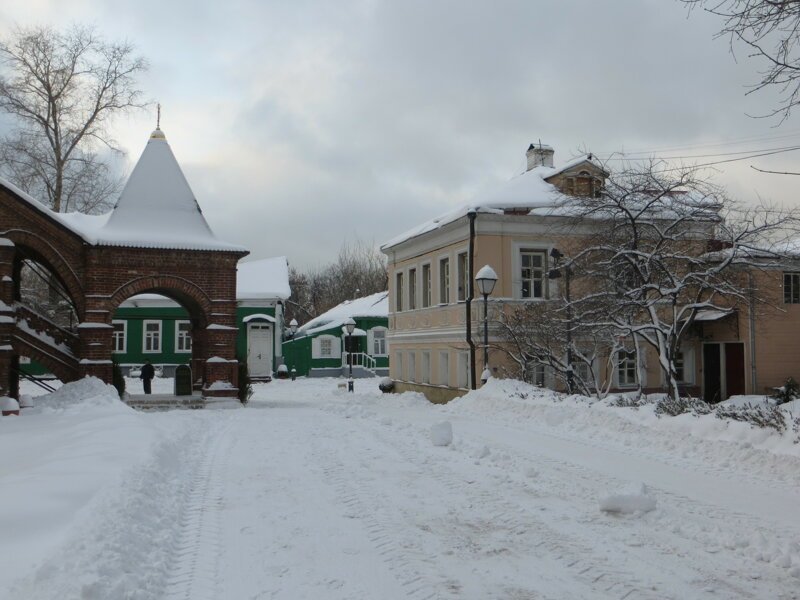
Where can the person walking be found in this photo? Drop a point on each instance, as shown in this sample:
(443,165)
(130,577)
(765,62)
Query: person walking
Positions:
(147,374)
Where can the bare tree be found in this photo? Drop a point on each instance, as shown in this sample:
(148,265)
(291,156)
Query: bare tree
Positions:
(359,270)
(770,29)
(63,87)
(671,245)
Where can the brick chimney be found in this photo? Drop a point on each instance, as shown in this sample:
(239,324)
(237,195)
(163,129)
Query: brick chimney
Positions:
(539,155)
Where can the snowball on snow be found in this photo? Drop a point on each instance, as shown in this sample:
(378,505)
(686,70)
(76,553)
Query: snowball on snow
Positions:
(442,434)
(630,499)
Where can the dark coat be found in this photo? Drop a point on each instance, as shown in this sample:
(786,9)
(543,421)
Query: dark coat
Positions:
(148,372)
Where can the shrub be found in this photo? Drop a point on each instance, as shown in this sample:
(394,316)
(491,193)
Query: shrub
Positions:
(245,387)
(629,401)
(758,416)
(386,385)
(787,392)
(117,379)
(672,407)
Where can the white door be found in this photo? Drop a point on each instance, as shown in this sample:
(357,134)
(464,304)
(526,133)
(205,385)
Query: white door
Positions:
(259,349)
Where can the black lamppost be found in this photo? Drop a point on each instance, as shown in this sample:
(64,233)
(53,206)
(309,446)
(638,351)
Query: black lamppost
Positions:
(555,273)
(293,329)
(350,325)
(486,280)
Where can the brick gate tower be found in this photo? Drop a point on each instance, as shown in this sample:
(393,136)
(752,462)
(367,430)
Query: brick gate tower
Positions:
(155,240)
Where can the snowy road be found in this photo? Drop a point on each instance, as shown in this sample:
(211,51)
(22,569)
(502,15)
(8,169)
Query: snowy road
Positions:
(309,493)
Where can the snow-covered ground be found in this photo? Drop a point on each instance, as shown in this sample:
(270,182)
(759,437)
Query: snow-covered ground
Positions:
(310,492)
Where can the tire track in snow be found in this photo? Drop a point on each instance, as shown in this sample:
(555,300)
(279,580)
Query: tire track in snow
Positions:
(410,566)
(195,572)
(579,559)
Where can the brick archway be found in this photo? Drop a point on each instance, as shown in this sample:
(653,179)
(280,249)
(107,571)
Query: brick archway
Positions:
(99,276)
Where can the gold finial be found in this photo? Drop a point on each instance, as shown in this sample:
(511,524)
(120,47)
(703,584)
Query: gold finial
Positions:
(158,134)
(158,117)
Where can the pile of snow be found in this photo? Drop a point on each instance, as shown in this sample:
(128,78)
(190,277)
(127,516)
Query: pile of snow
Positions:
(442,434)
(629,499)
(89,391)
(8,404)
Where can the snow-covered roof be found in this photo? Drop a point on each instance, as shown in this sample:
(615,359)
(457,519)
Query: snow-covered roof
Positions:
(376,305)
(265,278)
(526,191)
(157,208)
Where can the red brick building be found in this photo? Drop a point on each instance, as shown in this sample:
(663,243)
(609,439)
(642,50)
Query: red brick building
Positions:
(155,240)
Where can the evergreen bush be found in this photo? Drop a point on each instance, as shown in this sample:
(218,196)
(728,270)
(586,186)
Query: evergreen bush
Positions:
(787,392)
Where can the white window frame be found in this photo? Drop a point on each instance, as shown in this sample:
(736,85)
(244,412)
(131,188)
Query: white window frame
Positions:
(399,366)
(371,341)
(463,374)
(444,367)
(426,367)
(444,280)
(412,366)
(543,254)
(462,278)
(427,294)
(124,336)
(412,288)
(178,349)
(335,347)
(549,287)
(399,277)
(688,366)
(618,365)
(793,295)
(145,323)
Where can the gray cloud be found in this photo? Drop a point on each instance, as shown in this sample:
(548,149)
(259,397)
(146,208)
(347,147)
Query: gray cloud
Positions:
(302,123)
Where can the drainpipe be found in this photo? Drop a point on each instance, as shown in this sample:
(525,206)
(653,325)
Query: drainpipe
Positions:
(751,312)
(472,214)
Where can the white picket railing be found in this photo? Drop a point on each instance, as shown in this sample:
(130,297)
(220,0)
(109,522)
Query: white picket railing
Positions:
(360,359)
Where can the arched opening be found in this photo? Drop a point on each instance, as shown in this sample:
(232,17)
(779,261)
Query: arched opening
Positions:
(164,327)
(40,288)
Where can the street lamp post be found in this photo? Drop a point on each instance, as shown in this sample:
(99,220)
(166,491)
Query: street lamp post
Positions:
(293,329)
(350,325)
(486,280)
(555,273)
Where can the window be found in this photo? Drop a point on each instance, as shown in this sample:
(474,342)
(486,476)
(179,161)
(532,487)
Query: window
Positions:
(536,374)
(426,286)
(398,294)
(120,336)
(379,341)
(426,367)
(680,371)
(326,346)
(444,368)
(412,289)
(152,336)
(463,370)
(444,281)
(463,276)
(183,336)
(398,357)
(532,263)
(585,372)
(412,366)
(791,288)
(626,367)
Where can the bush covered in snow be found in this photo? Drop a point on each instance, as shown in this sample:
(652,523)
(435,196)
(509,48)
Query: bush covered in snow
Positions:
(674,407)
(787,392)
(386,385)
(761,415)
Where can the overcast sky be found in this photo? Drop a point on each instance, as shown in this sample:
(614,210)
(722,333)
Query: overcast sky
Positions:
(302,123)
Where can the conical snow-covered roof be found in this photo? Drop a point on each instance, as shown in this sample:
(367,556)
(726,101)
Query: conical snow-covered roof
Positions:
(157,208)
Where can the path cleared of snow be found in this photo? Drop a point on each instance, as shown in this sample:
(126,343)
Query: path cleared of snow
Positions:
(311,492)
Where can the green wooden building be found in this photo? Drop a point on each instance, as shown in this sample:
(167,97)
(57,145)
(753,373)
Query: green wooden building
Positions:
(322,348)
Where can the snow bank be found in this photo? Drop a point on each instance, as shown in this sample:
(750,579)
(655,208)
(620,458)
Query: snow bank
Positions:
(630,499)
(442,434)
(87,392)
